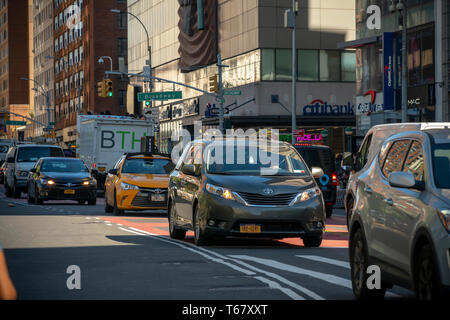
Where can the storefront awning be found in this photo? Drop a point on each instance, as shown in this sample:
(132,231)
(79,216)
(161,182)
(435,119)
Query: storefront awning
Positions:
(358,43)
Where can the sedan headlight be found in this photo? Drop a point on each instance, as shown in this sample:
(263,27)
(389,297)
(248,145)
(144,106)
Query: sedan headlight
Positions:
(47,182)
(86,183)
(444,215)
(305,195)
(219,191)
(126,186)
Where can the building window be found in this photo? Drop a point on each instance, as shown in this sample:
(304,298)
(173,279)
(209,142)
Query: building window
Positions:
(421,57)
(81,53)
(122,99)
(330,65)
(56,23)
(283,64)
(75,56)
(348,66)
(70,35)
(66,42)
(268,64)
(123,47)
(56,46)
(61,44)
(308,65)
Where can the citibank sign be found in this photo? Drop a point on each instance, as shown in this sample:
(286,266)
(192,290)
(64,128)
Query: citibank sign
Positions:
(319,107)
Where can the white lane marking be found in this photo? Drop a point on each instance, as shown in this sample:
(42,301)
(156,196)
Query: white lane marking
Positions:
(119,224)
(339,263)
(276,285)
(88,218)
(267,273)
(141,234)
(221,261)
(97,218)
(109,224)
(287,267)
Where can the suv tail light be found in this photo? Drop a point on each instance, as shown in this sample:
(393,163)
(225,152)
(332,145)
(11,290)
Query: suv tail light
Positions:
(334,180)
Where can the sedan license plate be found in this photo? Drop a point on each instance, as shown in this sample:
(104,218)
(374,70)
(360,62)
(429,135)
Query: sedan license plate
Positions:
(69,191)
(158,197)
(250,228)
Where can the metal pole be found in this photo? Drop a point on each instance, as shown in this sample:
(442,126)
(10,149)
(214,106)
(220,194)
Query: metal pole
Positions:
(404,67)
(219,66)
(294,72)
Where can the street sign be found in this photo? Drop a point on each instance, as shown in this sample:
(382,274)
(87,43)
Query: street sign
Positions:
(15,123)
(215,111)
(168,95)
(52,123)
(232,92)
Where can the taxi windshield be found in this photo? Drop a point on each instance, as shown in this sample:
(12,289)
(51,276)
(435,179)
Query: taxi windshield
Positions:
(147,166)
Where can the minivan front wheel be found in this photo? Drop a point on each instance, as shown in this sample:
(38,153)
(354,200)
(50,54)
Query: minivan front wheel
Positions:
(359,263)
(200,238)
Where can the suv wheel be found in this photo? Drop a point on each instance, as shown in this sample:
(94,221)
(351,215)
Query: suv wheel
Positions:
(359,263)
(349,212)
(92,201)
(175,233)
(16,191)
(312,241)
(30,199)
(426,284)
(200,238)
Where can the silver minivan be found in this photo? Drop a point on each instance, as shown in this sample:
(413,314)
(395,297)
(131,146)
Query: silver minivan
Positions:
(20,159)
(400,215)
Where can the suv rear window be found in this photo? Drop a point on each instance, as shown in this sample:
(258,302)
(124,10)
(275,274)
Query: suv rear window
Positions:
(33,154)
(315,157)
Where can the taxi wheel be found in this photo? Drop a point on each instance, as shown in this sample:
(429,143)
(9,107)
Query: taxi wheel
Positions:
(108,208)
(116,210)
(175,233)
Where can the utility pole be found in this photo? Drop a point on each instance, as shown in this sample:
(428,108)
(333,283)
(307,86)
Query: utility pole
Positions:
(220,94)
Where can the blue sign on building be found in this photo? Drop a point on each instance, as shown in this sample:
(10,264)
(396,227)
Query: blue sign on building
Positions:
(388,68)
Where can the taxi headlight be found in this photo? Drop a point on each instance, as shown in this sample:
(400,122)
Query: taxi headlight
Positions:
(126,186)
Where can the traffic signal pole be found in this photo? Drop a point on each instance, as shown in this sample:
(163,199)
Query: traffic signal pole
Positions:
(220,94)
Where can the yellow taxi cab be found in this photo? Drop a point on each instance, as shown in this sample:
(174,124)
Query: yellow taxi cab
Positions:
(138,181)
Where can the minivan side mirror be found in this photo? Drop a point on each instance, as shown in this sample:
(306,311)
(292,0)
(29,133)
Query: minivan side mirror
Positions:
(402,180)
(317,172)
(190,169)
(347,159)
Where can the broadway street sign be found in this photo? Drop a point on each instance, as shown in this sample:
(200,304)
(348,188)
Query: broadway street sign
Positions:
(168,95)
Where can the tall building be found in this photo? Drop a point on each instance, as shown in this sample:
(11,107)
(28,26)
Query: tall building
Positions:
(255,45)
(43,64)
(84,31)
(14,64)
(379,61)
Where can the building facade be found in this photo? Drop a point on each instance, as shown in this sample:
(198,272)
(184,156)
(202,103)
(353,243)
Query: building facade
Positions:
(14,64)
(43,64)
(84,31)
(379,54)
(253,42)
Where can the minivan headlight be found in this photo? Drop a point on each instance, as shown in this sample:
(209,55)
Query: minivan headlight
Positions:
(444,215)
(21,173)
(126,186)
(219,191)
(305,195)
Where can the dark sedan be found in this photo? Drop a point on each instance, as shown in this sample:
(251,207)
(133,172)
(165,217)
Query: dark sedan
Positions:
(247,189)
(61,179)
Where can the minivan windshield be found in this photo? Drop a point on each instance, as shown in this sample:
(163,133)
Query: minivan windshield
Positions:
(254,159)
(441,165)
(60,165)
(33,154)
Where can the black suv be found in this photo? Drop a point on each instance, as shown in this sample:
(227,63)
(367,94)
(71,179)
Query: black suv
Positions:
(322,157)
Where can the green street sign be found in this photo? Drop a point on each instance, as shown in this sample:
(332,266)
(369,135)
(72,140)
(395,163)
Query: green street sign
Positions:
(15,123)
(232,92)
(52,123)
(168,95)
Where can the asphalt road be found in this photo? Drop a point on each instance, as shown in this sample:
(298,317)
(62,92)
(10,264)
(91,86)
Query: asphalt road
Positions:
(132,257)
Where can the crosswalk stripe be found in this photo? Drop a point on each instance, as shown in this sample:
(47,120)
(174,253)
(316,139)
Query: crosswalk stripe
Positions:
(340,263)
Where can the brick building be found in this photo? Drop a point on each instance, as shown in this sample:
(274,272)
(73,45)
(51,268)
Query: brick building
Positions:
(85,30)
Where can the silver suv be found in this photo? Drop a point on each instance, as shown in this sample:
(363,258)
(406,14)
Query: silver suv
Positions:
(399,203)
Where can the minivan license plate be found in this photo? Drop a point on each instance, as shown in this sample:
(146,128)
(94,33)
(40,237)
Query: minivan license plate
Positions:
(69,191)
(250,228)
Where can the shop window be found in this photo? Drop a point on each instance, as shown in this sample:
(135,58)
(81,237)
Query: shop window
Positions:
(267,64)
(421,57)
(330,65)
(308,65)
(283,64)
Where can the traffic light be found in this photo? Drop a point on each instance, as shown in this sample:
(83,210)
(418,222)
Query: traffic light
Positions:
(109,87)
(101,90)
(214,84)
(147,103)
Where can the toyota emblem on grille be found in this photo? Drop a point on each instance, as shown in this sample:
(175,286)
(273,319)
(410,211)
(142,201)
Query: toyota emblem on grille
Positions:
(69,184)
(268,191)
(158,191)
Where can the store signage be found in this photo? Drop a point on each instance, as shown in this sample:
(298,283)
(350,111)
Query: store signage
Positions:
(369,102)
(388,60)
(309,137)
(319,107)
(421,96)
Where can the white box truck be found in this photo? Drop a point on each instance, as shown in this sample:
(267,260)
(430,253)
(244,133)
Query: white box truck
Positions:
(102,140)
